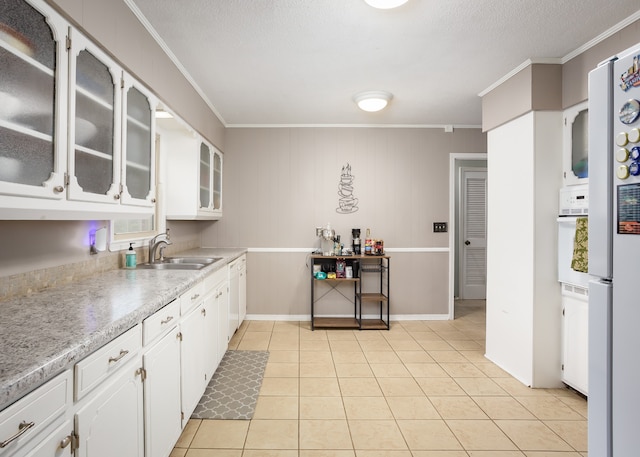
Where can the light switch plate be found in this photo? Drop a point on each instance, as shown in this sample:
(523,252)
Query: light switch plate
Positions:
(439,227)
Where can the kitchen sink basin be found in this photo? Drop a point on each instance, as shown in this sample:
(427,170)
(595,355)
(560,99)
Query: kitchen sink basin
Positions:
(170,266)
(180,263)
(179,260)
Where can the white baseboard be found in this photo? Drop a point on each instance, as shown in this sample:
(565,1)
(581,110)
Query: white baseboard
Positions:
(307,317)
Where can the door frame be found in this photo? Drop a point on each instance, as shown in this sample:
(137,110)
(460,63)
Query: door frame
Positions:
(453,218)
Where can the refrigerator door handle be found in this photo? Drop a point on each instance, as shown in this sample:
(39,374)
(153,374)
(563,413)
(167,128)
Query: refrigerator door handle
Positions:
(600,175)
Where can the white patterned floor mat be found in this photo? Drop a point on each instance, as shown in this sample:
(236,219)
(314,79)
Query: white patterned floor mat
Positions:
(234,388)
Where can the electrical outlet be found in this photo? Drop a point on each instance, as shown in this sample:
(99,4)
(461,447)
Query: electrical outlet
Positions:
(439,227)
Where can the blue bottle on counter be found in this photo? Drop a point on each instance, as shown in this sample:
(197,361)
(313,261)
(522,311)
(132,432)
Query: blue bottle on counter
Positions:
(130,257)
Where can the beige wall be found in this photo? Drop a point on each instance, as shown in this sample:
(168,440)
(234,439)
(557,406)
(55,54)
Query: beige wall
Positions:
(575,72)
(281,183)
(551,87)
(536,87)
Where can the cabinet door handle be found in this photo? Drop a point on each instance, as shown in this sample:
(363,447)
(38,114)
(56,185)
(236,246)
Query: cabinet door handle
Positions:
(119,356)
(22,429)
(194,297)
(204,312)
(58,189)
(167,320)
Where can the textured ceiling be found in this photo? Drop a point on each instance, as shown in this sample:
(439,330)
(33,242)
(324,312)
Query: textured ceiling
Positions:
(292,62)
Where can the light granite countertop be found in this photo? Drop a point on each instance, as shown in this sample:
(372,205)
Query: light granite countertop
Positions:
(46,333)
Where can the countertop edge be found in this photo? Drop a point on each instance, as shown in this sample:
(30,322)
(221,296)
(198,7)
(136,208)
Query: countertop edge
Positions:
(14,386)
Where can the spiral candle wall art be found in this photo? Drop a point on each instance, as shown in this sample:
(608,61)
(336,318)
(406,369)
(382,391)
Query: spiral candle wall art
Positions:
(347,203)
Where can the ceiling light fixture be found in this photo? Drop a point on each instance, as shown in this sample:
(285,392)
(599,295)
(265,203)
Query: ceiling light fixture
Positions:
(373,100)
(385,4)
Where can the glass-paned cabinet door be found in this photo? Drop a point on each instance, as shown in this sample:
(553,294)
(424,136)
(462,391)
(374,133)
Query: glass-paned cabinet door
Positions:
(33,75)
(94,120)
(205,176)
(576,144)
(217,180)
(138,140)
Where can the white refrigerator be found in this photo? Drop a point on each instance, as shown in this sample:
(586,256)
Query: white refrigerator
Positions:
(614,256)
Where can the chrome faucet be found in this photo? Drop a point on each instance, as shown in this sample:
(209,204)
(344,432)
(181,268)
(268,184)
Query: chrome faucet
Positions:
(156,243)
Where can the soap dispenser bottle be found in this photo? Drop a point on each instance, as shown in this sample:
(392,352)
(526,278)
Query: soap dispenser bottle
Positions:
(130,257)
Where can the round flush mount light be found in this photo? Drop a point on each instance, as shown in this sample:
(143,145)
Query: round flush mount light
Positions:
(385,4)
(373,100)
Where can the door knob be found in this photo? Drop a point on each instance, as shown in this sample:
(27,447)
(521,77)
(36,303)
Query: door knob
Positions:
(467,242)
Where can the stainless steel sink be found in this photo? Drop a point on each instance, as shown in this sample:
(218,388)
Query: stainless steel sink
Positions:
(170,266)
(180,263)
(204,260)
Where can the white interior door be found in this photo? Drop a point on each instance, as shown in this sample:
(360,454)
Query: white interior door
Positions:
(473,242)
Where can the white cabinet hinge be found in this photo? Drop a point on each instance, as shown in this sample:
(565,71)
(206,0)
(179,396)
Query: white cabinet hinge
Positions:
(68,42)
(72,439)
(66,180)
(181,415)
(562,367)
(142,372)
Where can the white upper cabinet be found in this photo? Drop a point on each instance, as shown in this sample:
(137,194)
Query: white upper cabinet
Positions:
(210,178)
(33,88)
(193,170)
(76,132)
(138,144)
(94,116)
(575,145)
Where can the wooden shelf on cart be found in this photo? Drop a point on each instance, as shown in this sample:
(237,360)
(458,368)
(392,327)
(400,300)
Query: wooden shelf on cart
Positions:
(374,324)
(373,297)
(335,322)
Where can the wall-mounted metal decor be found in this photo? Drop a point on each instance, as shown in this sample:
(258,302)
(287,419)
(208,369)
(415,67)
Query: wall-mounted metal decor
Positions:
(347,203)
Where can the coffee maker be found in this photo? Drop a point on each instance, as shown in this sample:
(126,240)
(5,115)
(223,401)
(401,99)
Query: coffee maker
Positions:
(327,239)
(355,234)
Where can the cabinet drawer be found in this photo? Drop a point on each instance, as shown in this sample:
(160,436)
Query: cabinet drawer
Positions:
(163,319)
(55,444)
(34,412)
(191,298)
(212,281)
(92,370)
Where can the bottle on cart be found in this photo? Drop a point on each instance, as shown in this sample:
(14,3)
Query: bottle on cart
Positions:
(368,243)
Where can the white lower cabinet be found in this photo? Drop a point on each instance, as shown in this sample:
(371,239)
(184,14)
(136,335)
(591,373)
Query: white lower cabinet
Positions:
(575,343)
(111,422)
(210,340)
(193,376)
(237,293)
(217,286)
(242,290)
(109,393)
(57,444)
(162,407)
(26,425)
(221,327)
(134,395)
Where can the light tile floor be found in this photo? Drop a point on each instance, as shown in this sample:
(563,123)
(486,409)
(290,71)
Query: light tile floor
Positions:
(422,389)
